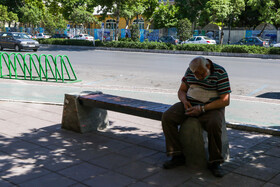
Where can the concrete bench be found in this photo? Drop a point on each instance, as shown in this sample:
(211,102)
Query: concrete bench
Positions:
(88,112)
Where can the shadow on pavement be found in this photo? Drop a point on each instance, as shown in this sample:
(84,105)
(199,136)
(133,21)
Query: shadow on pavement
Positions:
(270,95)
(52,156)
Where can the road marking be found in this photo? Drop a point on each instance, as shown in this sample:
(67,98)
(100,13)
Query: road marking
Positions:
(258,90)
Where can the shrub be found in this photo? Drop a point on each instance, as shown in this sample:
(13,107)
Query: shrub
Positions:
(235,49)
(128,43)
(245,49)
(199,47)
(135,33)
(274,50)
(58,41)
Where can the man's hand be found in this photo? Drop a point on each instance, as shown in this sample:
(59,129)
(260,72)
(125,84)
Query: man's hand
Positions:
(187,105)
(194,111)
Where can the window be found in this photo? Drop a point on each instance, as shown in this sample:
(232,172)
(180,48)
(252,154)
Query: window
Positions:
(198,38)
(192,39)
(140,23)
(110,24)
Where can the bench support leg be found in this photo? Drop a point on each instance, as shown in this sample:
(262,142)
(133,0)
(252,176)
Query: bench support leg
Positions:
(79,118)
(195,143)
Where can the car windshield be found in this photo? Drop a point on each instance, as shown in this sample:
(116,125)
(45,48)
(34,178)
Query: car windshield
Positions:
(20,36)
(192,39)
(206,38)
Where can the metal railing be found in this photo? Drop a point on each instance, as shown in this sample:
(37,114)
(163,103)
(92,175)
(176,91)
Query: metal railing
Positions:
(34,67)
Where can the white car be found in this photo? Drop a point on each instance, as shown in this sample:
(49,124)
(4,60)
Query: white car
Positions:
(200,40)
(42,35)
(276,45)
(83,37)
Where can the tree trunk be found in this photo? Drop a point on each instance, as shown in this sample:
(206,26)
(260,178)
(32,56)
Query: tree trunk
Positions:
(260,34)
(127,23)
(117,24)
(222,34)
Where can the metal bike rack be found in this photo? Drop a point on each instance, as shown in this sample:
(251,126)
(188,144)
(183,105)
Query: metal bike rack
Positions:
(38,68)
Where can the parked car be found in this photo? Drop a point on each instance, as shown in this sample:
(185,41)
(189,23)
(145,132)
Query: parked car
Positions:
(83,37)
(200,40)
(252,41)
(60,36)
(276,45)
(41,35)
(17,41)
(169,39)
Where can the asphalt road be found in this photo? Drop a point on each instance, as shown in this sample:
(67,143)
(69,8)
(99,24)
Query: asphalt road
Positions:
(163,72)
(156,77)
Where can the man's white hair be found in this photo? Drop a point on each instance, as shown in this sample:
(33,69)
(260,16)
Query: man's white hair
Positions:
(198,62)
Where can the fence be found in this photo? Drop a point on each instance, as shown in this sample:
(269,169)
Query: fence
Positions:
(38,68)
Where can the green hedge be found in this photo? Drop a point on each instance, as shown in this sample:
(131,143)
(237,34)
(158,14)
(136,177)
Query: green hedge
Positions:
(58,41)
(128,43)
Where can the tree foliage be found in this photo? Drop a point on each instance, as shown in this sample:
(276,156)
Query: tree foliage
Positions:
(190,9)
(31,15)
(81,16)
(221,11)
(184,29)
(165,16)
(268,11)
(135,34)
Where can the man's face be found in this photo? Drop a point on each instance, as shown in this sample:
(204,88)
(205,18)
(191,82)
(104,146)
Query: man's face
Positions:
(201,73)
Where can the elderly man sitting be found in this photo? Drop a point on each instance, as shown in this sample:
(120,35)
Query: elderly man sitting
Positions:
(204,93)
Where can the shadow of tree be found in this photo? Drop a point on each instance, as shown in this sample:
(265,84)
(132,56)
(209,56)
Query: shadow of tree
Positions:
(50,151)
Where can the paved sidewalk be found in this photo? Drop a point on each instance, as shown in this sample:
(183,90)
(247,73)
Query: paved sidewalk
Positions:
(35,151)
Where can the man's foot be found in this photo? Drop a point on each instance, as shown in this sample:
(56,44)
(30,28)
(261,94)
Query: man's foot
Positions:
(216,169)
(174,162)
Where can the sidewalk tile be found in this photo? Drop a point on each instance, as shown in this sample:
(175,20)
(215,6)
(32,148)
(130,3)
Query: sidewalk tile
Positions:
(6,140)
(110,179)
(5,183)
(257,171)
(111,161)
(233,179)
(78,185)
(155,144)
(270,185)
(82,153)
(138,170)
(156,159)
(276,180)
(268,161)
(170,178)
(141,184)
(275,151)
(52,179)
(136,152)
(56,163)
(82,171)
(18,147)
(21,173)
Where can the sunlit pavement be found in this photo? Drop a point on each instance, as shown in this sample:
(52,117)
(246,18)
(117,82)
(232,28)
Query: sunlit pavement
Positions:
(259,112)
(35,151)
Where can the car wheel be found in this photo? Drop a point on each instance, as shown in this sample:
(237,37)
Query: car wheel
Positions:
(35,50)
(17,48)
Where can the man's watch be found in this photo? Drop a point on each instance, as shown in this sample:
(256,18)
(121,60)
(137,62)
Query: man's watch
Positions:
(203,109)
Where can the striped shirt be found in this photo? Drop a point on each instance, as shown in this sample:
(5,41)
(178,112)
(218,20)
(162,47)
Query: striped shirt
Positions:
(218,80)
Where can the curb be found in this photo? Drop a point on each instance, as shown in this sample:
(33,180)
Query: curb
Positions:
(237,126)
(245,55)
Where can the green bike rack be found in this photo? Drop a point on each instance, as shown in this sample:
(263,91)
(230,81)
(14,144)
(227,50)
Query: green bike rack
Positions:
(38,68)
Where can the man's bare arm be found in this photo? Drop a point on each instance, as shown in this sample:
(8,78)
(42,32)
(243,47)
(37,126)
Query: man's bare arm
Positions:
(182,95)
(223,101)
